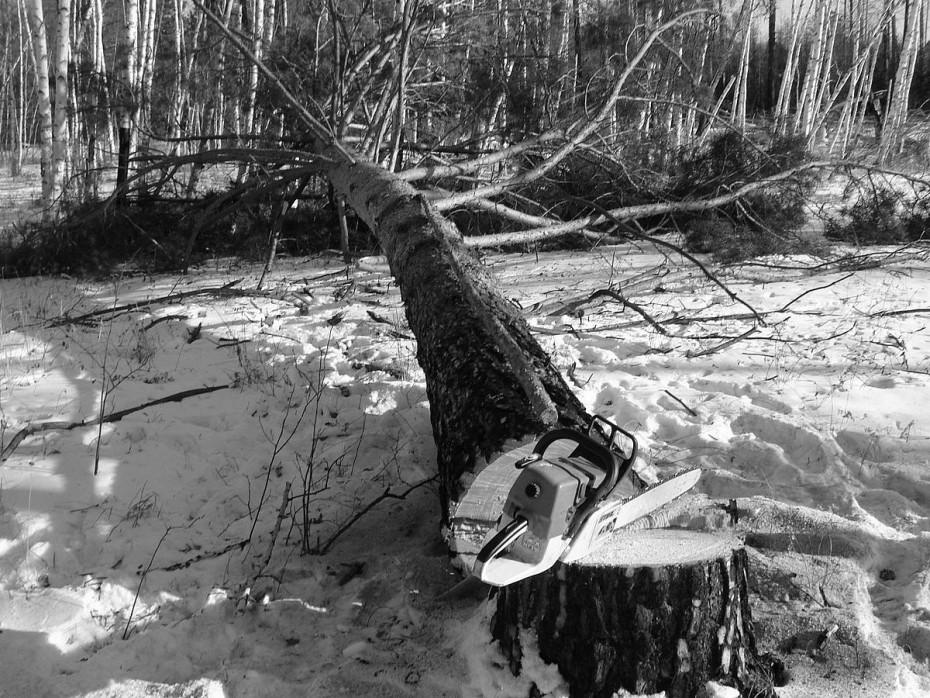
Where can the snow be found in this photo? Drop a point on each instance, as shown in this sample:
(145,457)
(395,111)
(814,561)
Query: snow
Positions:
(163,575)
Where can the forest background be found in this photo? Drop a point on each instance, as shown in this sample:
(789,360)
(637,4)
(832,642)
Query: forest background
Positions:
(153,94)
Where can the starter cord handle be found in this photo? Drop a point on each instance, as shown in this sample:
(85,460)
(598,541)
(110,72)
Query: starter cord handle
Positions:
(503,539)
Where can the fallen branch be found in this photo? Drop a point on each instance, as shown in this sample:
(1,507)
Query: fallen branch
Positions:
(556,228)
(614,217)
(576,135)
(905,311)
(811,290)
(628,304)
(31,429)
(730,342)
(164,318)
(170,298)
(680,402)
(204,556)
(372,367)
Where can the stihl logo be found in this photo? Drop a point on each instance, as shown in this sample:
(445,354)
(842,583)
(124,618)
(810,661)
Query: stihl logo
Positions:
(607,528)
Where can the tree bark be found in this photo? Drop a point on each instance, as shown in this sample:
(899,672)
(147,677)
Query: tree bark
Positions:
(487,378)
(655,610)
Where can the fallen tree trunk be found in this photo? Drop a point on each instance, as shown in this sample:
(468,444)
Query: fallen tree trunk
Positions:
(655,610)
(488,380)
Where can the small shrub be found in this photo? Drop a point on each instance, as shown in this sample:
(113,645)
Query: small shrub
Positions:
(916,222)
(766,221)
(730,242)
(881,216)
(153,235)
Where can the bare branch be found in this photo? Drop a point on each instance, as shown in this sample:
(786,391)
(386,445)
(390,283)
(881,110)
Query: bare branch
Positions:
(462,168)
(31,429)
(317,127)
(580,135)
(625,213)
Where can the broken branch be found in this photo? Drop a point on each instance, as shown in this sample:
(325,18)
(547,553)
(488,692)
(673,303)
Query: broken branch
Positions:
(31,429)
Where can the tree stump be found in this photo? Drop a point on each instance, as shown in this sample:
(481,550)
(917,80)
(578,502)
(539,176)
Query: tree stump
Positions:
(653,610)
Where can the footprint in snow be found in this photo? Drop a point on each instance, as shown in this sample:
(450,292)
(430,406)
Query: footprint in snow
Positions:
(803,448)
(741,390)
(882,382)
(899,594)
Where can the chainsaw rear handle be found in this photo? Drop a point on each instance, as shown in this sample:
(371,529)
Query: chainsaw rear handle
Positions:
(503,539)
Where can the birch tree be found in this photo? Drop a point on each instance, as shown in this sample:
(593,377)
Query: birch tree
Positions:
(126,100)
(61,140)
(44,107)
(895,121)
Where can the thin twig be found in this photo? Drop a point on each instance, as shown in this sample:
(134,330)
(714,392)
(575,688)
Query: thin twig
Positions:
(104,392)
(142,581)
(704,270)
(906,311)
(280,443)
(723,345)
(282,512)
(679,401)
(811,290)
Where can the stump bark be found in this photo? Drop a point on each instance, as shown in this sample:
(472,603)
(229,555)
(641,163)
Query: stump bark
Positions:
(654,610)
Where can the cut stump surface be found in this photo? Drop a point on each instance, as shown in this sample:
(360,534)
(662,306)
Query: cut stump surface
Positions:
(653,610)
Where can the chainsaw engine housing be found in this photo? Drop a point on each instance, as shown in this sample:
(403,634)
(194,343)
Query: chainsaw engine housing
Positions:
(547,493)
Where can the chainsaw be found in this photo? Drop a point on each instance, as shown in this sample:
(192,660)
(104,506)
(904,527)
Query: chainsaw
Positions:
(560,507)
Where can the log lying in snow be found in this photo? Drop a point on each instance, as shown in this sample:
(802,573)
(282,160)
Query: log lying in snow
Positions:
(488,380)
(653,610)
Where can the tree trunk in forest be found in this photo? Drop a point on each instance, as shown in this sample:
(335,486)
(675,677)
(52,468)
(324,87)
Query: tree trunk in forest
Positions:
(18,97)
(126,62)
(654,610)
(770,59)
(40,51)
(895,121)
(145,69)
(488,380)
(62,59)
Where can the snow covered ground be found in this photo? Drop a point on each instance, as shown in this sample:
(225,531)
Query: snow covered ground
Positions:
(181,569)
